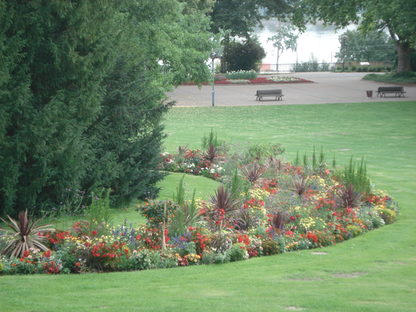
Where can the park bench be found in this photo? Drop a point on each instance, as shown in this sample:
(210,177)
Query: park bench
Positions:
(277,94)
(397,91)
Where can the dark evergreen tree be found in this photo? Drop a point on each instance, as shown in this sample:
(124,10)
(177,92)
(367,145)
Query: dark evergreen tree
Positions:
(242,55)
(81,94)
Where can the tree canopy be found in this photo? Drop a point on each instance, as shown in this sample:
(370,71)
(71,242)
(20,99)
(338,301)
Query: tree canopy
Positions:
(371,46)
(82,90)
(285,38)
(398,17)
(245,55)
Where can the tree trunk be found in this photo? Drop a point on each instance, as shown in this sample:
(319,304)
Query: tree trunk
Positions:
(403,55)
(277,60)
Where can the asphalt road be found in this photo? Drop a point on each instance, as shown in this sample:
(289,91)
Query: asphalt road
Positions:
(327,87)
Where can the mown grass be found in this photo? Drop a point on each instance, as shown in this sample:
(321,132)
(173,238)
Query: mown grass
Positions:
(407,77)
(374,272)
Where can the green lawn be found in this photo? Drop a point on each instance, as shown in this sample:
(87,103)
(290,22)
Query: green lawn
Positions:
(204,188)
(374,272)
(406,77)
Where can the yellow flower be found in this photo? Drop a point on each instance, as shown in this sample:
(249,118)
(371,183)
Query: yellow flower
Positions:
(258,194)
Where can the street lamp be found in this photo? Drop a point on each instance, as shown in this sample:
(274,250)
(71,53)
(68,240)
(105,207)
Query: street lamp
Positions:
(213,56)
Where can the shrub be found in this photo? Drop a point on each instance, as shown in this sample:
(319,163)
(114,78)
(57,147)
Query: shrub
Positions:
(157,212)
(388,215)
(242,56)
(16,266)
(238,252)
(139,260)
(355,174)
(355,230)
(241,74)
(212,257)
(99,210)
(270,247)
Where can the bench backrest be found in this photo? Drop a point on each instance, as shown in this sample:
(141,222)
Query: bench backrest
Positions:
(277,91)
(390,89)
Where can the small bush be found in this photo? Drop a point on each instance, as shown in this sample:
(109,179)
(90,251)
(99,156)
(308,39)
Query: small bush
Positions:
(99,210)
(238,252)
(355,230)
(270,247)
(388,215)
(211,257)
(241,74)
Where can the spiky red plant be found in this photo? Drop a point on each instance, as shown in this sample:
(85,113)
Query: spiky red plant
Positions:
(24,234)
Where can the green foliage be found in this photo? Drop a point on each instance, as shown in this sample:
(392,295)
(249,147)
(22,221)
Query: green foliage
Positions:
(99,211)
(82,90)
(211,140)
(263,152)
(310,66)
(242,56)
(284,39)
(388,215)
(237,252)
(270,247)
(158,212)
(355,175)
(241,74)
(397,16)
(405,77)
(237,185)
(240,17)
(186,213)
(372,46)
(210,257)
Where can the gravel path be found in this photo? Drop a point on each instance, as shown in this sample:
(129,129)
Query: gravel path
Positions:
(327,87)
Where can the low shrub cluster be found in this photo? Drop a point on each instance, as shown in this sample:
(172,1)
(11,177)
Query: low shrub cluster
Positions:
(265,206)
(358,68)
(241,74)
(310,66)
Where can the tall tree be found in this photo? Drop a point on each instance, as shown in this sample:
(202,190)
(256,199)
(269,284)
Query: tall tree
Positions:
(245,55)
(371,46)
(82,94)
(240,17)
(153,57)
(398,17)
(285,38)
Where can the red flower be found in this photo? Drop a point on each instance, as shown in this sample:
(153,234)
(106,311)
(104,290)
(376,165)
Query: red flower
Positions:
(289,233)
(47,254)
(244,239)
(312,237)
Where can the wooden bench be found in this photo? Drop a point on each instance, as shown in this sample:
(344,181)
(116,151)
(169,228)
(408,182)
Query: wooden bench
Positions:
(277,94)
(397,91)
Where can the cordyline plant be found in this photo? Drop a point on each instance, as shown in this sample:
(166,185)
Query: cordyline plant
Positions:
(24,235)
(253,171)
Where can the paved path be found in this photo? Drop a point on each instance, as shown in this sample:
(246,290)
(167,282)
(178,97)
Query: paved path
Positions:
(327,88)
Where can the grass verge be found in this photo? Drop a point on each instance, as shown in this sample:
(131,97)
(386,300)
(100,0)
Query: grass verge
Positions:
(407,77)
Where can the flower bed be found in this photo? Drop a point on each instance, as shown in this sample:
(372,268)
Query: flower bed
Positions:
(266,206)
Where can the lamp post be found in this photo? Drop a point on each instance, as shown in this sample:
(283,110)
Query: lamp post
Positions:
(213,56)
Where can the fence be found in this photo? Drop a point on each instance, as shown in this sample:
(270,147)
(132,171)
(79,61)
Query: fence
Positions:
(315,66)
